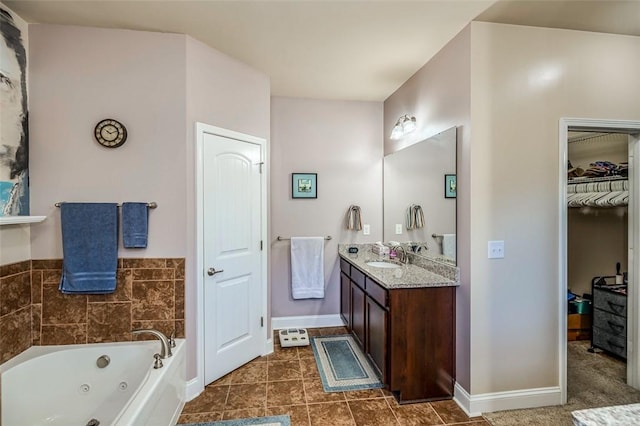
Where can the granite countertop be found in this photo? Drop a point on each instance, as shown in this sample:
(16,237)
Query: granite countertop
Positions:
(407,276)
(618,415)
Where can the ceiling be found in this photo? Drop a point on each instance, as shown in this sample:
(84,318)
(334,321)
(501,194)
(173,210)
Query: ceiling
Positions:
(351,50)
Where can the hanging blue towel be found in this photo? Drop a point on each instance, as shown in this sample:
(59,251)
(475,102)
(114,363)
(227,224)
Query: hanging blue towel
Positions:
(90,247)
(135,225)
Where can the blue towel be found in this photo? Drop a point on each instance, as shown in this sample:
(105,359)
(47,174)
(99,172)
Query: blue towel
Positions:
(135,225)
(90,247)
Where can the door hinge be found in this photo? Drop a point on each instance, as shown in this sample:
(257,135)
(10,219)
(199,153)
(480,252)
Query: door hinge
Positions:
(260,166)
(261,321)
(260,245)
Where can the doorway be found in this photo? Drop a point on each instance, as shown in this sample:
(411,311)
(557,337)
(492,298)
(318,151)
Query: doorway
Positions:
(632,130)
(231,257)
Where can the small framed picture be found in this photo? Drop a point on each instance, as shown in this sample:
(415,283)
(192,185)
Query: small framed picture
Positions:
(304,185)
(450,186)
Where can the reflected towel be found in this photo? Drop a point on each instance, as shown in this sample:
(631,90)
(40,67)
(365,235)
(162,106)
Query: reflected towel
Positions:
(90,247)
(307,267)
(135,225)
(449,245)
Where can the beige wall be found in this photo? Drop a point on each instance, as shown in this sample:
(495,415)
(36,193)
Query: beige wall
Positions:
(524,80)
(438,95)
(159,86)
(226,93)
(342,142)
(79,76)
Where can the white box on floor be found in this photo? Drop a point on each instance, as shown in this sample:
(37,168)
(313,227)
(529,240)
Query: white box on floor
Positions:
(293,337)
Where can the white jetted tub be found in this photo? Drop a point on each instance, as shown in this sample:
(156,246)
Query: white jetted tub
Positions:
(63,385)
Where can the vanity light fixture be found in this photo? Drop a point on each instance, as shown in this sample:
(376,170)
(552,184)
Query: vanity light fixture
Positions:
(403,126)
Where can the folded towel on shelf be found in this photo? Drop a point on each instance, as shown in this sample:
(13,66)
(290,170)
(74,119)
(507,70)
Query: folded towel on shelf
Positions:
(135,225)
(90,247)
(307,267)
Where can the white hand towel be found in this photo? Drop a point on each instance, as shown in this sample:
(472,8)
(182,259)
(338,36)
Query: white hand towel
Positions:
(449,245)
(307,267)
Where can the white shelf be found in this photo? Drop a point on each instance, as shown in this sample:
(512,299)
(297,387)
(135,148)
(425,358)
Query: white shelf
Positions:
(19,220)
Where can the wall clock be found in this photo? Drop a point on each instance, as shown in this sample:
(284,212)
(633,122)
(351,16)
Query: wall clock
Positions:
(110,133)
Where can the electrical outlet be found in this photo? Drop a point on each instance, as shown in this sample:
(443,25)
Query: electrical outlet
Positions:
(398,228)
(495,249)
(366,229)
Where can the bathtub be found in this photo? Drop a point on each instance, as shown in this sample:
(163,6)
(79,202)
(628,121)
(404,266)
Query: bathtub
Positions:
(63,385)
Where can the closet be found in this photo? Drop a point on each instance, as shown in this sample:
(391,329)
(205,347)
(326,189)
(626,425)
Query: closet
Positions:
(597,236)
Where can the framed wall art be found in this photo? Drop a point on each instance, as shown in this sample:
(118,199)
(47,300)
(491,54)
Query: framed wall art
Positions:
(304,185)
(450,186)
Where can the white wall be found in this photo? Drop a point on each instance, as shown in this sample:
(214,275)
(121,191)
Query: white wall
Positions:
(79,76)
(438,95)
(342,142)
(523,80)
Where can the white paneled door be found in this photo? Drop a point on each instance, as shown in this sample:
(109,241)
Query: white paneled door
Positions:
(231,254)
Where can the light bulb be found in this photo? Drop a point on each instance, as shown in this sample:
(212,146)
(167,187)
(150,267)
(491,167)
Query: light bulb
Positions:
(409,124)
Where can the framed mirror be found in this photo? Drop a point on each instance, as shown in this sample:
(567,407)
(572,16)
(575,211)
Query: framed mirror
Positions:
(420,196)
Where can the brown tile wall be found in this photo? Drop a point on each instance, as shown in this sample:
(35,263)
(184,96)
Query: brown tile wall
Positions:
(149,294)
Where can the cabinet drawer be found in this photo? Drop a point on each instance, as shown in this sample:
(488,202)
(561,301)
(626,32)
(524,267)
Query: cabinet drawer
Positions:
(612,324)
(377,292)
(615,344)
(345,267)
(357,277)
(610,302)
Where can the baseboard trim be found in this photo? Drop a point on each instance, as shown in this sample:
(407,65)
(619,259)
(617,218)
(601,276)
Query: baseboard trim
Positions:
(268,347)
(475,405)
(194,388)
(308,321)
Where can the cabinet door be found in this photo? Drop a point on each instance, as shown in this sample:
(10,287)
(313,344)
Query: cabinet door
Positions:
(376,346)
(357,313)
(345,299)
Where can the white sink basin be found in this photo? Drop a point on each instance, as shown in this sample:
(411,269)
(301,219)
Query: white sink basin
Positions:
(383,264)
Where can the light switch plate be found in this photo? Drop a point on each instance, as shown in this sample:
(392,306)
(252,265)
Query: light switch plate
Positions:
(398,228)
(495,249)
(366,229)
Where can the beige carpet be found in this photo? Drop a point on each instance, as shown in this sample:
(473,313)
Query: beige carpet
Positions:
(593,380)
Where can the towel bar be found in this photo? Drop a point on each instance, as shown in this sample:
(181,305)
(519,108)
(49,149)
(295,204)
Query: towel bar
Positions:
(151,205)
(327,238)
(437,235)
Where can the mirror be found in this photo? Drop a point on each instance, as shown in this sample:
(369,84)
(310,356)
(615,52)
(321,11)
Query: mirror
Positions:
(421,177)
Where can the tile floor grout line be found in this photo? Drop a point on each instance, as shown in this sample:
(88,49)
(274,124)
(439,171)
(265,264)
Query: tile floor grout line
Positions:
(438,414)
(392,410)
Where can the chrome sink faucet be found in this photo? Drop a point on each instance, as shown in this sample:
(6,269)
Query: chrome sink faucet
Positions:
(402,258)
(165,347)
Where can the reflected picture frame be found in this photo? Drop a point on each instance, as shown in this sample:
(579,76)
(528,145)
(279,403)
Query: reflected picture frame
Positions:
(450,186)
(304,185)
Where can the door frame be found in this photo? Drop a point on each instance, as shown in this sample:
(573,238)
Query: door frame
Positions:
(201,130)
(633,298)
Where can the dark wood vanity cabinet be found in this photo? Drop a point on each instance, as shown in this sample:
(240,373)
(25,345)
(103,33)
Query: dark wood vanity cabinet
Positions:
(408,334)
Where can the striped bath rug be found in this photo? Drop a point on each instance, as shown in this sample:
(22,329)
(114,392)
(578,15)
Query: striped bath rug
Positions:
(254,421)
(342,364)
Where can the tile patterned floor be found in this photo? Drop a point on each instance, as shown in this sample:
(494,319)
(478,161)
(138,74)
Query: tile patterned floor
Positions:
(287,382)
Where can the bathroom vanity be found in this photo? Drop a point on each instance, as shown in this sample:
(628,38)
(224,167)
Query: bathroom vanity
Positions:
(404,320)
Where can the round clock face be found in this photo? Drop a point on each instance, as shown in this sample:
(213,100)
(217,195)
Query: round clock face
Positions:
(110,133)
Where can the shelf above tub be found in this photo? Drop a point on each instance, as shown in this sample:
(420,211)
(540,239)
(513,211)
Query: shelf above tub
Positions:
(20,220)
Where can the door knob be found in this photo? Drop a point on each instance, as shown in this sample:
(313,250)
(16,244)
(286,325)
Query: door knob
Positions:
(212,271)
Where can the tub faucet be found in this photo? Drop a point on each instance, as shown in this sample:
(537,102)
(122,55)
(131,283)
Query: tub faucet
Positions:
(165,347)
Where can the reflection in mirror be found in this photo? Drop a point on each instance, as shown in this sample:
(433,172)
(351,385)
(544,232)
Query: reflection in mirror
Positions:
(415,183)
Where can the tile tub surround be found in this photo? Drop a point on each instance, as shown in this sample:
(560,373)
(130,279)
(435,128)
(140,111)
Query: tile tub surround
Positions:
(149,294)
(419,272)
